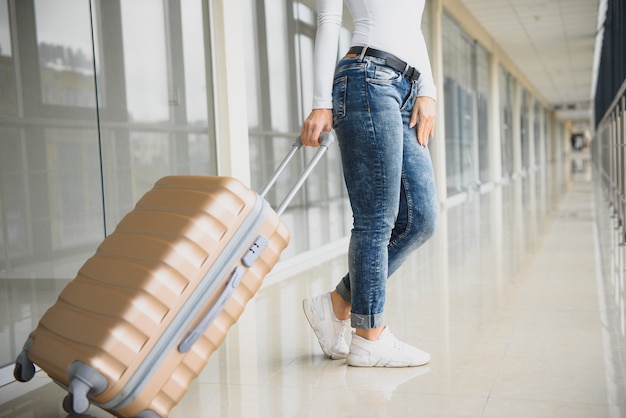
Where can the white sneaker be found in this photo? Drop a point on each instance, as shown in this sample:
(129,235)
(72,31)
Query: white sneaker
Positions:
(387,351)
(328,329)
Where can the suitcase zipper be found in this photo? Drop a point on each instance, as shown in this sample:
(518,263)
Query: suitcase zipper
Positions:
(171,337)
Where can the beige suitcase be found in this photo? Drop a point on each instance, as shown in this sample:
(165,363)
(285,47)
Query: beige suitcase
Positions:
(140,320)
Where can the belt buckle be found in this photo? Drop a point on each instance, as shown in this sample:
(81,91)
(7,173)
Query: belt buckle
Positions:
(406,69)
(415,75)
(363,52)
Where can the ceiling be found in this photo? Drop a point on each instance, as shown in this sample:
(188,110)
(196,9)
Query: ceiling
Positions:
(552,42)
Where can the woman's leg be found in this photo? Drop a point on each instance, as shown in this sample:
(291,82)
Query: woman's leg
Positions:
(417,211)
(419,208)
(369,122)
(370,136)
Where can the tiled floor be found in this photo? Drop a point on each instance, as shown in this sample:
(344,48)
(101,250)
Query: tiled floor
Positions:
(519,299)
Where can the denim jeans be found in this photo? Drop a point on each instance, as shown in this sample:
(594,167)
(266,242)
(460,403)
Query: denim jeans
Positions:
(389,178)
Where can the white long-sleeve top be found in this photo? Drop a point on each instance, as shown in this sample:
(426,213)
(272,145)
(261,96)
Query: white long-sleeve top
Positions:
(392,26)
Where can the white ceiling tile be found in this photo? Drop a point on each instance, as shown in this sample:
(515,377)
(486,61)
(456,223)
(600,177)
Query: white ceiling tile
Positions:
(550,41)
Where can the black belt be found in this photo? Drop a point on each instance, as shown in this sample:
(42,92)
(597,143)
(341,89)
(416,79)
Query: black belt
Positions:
(390,60)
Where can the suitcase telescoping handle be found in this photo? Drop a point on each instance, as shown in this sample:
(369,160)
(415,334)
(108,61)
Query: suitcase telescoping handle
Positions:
(326,140)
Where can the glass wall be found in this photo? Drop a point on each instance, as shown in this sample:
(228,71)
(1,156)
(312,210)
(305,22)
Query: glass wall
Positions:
(525,130)
(94,108)
(481,56)
(281,40)
(507,94)
(533,128)
(538,133)
(156,91)
(466,93)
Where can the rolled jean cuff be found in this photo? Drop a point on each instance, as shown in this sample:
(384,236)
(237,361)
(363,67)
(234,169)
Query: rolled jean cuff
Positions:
(366,321)
(358,320)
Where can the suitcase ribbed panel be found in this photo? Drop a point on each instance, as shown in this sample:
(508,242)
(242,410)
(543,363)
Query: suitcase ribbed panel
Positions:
(127,294)
(183,371)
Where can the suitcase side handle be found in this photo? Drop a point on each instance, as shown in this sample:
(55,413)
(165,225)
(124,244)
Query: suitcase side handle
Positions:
(197,332)
(326,140)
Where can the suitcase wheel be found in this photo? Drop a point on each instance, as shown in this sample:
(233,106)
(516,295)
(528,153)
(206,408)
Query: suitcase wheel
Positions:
(24,368)
(67,405)
(84,381)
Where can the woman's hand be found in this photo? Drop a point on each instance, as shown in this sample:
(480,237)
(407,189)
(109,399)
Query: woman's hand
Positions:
(424,112)
(318,121)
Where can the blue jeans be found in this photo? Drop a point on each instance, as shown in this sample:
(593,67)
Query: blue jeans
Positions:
(389,178)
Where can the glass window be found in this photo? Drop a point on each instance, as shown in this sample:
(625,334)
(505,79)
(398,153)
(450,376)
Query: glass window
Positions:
(305,46)
(252,60)
(5,30)
(144,57)
(282,90)
(156,118)
(65,56)
(482,111)
(525,129)
(537,109)
(50,197)
(279,48)
(546,135)
(84,134)
(506,122)
(461,108)
(194,75)
(14,237)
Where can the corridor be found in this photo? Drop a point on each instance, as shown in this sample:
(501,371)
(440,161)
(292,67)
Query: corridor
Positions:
(519,298)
